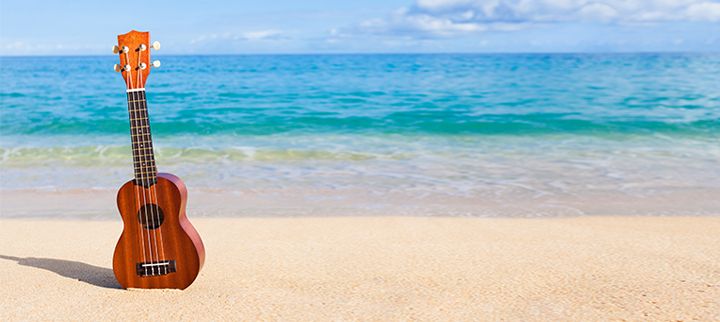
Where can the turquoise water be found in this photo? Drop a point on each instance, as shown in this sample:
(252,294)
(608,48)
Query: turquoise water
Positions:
(371,94)
(428,128)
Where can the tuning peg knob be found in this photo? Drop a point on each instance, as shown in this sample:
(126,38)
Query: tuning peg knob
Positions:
(156,45)
(117,67)
(116,49)
(156,64)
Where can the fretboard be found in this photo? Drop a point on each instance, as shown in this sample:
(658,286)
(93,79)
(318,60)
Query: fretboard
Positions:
(142,148)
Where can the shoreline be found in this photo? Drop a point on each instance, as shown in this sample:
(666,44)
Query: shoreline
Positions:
(297,202)
(574,268)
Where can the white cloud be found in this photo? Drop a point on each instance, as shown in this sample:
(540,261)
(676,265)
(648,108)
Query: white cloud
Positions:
(452,17)
(598,11)
(19,47)
(253,35)
(261,34)
(705,11)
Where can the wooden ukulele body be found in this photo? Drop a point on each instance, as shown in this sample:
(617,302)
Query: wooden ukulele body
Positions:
(165,254)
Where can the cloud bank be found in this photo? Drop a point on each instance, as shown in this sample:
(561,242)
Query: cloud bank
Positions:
(452,17)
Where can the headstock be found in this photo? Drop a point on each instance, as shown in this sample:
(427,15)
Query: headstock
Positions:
(134,51)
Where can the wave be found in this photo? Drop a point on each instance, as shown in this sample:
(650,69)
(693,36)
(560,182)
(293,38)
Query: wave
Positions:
(429,122)
(88,156)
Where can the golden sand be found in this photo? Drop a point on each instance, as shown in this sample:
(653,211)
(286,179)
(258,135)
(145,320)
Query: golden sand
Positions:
(380,268)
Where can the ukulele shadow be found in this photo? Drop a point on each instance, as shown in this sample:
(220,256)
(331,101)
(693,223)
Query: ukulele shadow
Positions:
(93,275)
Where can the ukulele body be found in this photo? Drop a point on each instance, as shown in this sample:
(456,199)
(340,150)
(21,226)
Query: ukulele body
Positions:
(158,248)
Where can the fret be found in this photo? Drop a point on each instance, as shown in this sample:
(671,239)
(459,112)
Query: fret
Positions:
(139,160)
(139,119)
(139,126)
(145,171)
(138,102)
(142,163)
(143,180)
(145,175)
(147,134)
(140,166)
(146,149)
(149,174)
(141,173)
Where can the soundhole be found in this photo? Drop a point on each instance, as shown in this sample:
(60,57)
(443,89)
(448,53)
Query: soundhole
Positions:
(151,216)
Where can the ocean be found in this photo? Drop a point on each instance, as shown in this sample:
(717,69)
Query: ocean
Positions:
(446,134)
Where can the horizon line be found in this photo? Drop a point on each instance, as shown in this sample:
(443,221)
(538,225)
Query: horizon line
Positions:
(389,53)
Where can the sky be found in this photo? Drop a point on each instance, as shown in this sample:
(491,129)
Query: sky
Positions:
(85,27)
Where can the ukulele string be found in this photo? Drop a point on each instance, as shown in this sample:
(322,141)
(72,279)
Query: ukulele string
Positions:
(145,173)
(143,179)
(133,122)
(152,188)
(143,210)
(137,191)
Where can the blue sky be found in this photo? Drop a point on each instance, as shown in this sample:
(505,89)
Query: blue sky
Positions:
(85,27)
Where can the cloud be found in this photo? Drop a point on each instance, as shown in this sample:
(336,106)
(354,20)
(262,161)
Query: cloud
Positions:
(707,11)
(453,17)
(261,34)
(253,35)
(20,47)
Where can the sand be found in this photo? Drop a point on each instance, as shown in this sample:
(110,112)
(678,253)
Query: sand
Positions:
(380,268)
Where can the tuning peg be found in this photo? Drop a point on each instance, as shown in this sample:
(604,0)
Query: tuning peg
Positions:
(156,45)
(143,47)
(143,65)
(116,49)
(156,64)
(127,68)
(117,67)
(125,49)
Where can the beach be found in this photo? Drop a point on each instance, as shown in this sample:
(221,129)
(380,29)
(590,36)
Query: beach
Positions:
(380,268)
(517,187)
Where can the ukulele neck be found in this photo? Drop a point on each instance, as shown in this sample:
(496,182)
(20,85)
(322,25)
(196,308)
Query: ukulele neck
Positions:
(142,147)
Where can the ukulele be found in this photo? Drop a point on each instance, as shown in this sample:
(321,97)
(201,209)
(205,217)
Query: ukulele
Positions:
(158,248)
